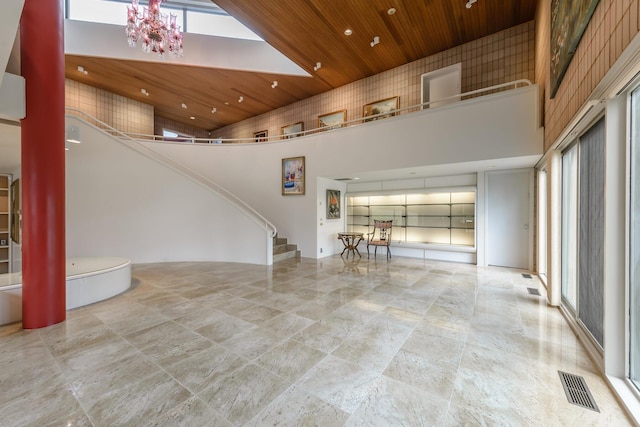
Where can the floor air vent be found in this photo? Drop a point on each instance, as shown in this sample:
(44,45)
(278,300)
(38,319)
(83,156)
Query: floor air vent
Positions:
(533,291)
(526,276)
(577,391)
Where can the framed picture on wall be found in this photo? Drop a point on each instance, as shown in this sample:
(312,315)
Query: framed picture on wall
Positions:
(292,130)
(385,108)
(293,172)
(333,120)
(333,204)
(569,19)
(261,136)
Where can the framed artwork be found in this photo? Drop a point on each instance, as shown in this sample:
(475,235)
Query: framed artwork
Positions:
(292,130)
(293,176)
(569,18)
(331,120)
(381,107)
(333,204)
(261,136)
(16,220)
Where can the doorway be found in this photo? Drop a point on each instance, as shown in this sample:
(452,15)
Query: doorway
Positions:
(509,216)
(443,83)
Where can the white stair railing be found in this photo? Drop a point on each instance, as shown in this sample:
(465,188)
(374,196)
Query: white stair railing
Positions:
(183,170)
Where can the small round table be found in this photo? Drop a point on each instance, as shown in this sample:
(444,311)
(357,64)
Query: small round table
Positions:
(350,241)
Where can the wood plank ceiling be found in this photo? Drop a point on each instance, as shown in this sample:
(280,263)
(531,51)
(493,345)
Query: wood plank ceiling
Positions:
(306,31)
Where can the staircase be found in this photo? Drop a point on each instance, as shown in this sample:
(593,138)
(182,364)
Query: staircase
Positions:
(283,250)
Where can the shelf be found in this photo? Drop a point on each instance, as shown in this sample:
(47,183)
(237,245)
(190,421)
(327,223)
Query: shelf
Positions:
(444,218)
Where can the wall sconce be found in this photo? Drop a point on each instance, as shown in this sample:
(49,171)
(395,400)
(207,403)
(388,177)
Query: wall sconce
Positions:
(375,41)
(274,84)
(317,66)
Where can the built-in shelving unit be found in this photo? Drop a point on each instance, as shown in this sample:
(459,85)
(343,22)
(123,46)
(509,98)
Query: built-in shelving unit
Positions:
(446,218)
(5,224)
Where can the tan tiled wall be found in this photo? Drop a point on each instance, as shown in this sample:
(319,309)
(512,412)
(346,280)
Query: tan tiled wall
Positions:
(498,58)
(613,24)
(117,111)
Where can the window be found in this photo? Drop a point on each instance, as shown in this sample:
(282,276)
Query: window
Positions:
(569,225)
(634,243)
(171,135)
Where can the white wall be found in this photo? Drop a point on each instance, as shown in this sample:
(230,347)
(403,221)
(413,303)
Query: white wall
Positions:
(328,243)
(122,203)
(500,126)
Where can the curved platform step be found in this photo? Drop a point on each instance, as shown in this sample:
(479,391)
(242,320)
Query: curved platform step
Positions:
(89,280)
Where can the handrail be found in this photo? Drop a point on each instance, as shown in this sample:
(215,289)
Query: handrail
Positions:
(189,173)
(359,120)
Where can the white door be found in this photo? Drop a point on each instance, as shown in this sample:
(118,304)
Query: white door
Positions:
(440,84)
(508,219)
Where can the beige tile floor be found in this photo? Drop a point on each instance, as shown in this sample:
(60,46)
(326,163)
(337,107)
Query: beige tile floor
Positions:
(315,342)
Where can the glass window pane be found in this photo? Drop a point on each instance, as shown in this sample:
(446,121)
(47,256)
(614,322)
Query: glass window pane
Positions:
(634,243)
(569,224)
(218,25)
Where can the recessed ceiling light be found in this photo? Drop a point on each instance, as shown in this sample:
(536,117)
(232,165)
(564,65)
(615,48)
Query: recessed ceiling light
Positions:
(348,32)
(391,10)
(356,178)
(226,103)
(192,118)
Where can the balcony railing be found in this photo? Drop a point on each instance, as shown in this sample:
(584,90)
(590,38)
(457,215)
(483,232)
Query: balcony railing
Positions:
(354,122)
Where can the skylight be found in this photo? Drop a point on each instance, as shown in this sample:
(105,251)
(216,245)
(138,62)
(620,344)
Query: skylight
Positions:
(202,16)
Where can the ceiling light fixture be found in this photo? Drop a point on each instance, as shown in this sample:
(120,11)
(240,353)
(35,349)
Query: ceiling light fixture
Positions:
(144,92)
(470,3)
(274,84)
(317,66)
(82,70)
(192,118)
(184,105)
(375,41)
(241,98)
(348,32)
(158,31)
(391,11)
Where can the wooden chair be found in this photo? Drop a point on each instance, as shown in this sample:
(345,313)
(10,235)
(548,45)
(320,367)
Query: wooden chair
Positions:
(380,236)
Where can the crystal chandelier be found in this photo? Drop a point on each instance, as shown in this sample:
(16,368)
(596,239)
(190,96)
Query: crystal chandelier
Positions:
(158,31)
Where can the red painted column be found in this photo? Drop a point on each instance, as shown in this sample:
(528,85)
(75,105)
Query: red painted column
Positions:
(43,164)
